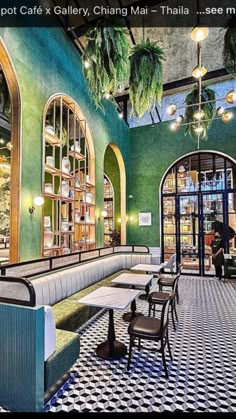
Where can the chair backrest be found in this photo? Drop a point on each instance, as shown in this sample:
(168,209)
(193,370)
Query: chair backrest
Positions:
(180,269)
(165,315)
(175,282)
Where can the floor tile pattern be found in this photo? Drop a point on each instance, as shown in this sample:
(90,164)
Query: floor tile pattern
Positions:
(202,374)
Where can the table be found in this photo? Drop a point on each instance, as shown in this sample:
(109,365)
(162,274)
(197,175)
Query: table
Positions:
(133,280)
(4,260)
(148,268)
(111,298)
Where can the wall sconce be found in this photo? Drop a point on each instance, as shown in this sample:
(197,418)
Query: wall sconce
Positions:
(119,220)
(38,202)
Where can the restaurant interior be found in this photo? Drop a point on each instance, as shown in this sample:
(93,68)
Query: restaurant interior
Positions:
(117,171)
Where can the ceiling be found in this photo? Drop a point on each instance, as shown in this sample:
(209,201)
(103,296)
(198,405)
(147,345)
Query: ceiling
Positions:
(180,50)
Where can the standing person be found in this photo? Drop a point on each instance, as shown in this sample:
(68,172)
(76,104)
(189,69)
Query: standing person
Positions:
(217,248)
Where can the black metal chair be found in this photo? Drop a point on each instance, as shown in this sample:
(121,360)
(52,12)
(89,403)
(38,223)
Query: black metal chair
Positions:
(168,281)
(159,298)
(150,328)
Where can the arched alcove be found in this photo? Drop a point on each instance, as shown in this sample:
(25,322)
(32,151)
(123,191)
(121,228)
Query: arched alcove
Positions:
(120,191)
(13,143)
(68,179)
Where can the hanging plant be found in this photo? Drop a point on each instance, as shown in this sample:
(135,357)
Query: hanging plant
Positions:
(209,110)
(229,50)
(145,83)
(105,59)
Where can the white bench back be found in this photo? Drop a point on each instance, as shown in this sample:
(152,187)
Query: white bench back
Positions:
(56,286)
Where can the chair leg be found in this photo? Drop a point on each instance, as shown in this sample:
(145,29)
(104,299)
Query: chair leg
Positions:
(177,294)
(149,311)
(172,315)
(139,344)
(175,312)
(163,357)
(168,344)
(131,343)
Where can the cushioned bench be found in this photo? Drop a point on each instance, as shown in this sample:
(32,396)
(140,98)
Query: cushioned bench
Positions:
(64,287)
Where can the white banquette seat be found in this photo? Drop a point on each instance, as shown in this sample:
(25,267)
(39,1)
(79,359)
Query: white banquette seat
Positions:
(54,287)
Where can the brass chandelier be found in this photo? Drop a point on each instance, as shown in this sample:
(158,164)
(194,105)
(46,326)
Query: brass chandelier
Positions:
(198,35)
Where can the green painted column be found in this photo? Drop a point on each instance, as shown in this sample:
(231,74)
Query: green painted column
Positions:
(22,358)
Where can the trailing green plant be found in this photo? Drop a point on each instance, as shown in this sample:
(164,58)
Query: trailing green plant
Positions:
(105,59)
(145,82)
(114,237)
(209,110)
(229,50)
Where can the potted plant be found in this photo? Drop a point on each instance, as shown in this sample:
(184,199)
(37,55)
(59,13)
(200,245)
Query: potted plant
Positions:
(105,59)
(114,237)
(145,82)
(209,110)
(229,51)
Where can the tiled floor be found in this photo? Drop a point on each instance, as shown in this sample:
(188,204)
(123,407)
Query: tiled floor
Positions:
(202,374)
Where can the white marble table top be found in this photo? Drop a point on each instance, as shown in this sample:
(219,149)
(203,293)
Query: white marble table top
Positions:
(132,279)
(117,298)
(148,267)
(4,259)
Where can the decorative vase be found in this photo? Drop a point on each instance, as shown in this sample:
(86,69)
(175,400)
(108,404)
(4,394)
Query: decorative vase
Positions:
(65,165)
(77,216)
(76,147)
(50,129)
(65,188)
(77,182)
(48,238)
(64,225)
(50,161)
(48,188)
(89,197)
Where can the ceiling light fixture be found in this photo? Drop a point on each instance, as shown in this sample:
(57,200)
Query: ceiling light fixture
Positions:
(171,109)
(199,114)
(200,123)
(86,64)
(199,71)
(227,116)
(199,33)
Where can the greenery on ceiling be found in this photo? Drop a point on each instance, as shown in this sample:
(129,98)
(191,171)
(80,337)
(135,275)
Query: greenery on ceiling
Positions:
(209,110)
(229,50)
(145,82)
(106,54)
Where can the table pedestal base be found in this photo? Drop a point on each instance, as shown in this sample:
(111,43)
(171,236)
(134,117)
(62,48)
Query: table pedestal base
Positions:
(143,297)
(111,350)
(127,317)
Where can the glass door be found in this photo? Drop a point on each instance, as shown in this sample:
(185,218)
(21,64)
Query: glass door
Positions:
(188,233)
(213,219)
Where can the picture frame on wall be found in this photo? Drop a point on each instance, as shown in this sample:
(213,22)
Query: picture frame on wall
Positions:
(145,219)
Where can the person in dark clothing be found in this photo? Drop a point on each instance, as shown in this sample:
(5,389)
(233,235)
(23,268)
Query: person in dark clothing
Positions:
(217,248)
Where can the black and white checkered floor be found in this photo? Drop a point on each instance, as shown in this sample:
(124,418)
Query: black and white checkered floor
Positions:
(202,374)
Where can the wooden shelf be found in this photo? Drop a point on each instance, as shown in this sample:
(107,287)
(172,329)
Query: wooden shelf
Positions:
(52,196)
(66,175)
(52,139)
(77,156)
(90,185)
(60,207)
(52,170)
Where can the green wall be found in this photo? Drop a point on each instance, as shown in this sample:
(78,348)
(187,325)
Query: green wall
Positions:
(154,149)
(47,63)
(111,169)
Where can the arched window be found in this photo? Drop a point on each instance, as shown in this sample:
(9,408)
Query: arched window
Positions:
(198,197)
(68,179)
